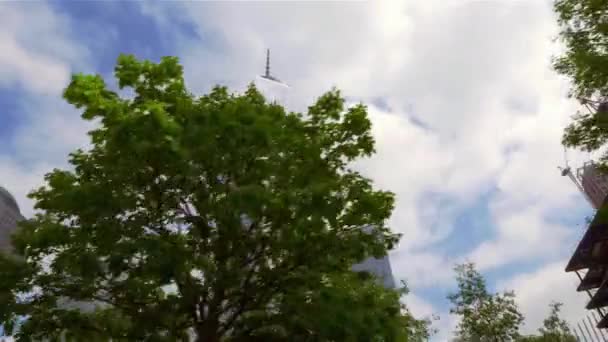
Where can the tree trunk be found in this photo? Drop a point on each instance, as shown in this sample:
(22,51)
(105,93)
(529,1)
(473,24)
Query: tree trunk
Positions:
(208,331)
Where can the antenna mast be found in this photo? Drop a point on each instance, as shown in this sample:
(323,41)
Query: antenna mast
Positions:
(267,62)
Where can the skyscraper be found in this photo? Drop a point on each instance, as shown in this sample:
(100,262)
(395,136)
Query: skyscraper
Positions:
(381,268)
(9,216)
(277,91)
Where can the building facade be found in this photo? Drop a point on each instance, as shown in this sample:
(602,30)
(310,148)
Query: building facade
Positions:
(590,264)
(594,183)
(381,268)
(9,216)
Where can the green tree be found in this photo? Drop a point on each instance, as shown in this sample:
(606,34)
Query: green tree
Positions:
(584,32)
(209,215)
(554,328)
(483,316)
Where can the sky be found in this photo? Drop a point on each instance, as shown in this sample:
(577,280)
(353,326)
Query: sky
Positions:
(467,116)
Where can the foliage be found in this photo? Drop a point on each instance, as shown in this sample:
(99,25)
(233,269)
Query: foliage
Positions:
(584,32)
(347,307)
(483,316)
(554,328)
(220,216)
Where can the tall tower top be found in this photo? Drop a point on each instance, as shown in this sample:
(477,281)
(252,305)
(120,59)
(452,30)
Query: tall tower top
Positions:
(8,199)
(267,74)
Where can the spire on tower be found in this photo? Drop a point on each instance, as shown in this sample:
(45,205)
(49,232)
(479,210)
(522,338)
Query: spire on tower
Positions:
(267,63)
(267,74)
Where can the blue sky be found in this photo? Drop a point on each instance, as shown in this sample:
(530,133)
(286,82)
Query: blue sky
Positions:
(467,115)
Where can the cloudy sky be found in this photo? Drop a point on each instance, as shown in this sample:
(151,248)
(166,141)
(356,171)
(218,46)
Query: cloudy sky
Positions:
(467,115)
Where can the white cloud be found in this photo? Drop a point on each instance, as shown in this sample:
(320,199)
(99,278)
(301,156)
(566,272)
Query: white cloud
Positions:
(537,289)
(21,180)
(36,48)
(419,307)
(441,321)
(422,269)
(38,56)
(54,130)
(38,73)
(409,161)
(522,235)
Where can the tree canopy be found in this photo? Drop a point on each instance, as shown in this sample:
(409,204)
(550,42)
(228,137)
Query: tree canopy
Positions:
(486,317)
(554,328)
(483,316)
(220,216)
(584,32)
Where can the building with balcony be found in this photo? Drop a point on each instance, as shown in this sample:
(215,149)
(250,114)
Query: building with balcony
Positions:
(590,263)
(594,183)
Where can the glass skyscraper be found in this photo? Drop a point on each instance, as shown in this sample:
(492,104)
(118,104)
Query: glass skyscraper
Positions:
(276,91)
(9,216)
(381,268)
